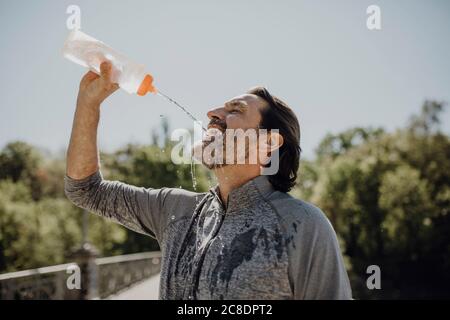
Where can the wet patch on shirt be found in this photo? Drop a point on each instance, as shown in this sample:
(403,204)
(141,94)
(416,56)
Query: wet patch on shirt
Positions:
(279,245)
(247,224)
(290,237)
(265,241)
(241,249)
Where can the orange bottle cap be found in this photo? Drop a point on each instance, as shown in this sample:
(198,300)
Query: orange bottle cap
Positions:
(146,86)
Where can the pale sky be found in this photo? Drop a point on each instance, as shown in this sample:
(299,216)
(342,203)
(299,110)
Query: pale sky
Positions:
(318,56)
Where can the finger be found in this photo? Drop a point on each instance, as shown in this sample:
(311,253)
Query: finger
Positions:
(105,71)
(88,78)
(114,87)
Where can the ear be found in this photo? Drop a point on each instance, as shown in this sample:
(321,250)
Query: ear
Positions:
(273,141)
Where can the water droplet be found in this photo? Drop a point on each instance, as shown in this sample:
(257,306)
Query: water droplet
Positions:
(194,179)
(179,106)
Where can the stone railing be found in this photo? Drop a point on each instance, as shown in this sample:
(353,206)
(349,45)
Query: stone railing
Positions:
(99,277)
(118,273)
(43,283)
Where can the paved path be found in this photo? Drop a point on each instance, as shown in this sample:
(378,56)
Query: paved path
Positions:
(145,290)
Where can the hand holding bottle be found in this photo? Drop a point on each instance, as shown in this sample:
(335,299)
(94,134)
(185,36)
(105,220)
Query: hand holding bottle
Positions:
(94,88)
(90,53)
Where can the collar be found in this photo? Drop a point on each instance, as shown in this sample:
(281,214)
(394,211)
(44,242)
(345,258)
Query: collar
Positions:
(246,195)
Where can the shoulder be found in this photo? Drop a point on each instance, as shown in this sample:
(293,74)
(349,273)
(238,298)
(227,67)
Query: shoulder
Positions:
(294,212)
(179,193)
(180,203)
(176,199)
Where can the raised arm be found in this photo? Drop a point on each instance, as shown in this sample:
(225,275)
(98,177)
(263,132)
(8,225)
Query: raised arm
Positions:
(140,209)
(82,154)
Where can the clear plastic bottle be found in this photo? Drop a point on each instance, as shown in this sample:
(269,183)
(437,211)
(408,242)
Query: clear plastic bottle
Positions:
(90,53)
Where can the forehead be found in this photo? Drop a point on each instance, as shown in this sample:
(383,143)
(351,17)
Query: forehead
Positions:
(251,100)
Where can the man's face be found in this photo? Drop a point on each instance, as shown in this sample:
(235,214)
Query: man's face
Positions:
(242,112)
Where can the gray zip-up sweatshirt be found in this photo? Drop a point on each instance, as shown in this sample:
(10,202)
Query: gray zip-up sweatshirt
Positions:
(264,245)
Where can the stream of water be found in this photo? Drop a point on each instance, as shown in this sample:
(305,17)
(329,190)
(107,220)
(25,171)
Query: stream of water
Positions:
(186,111)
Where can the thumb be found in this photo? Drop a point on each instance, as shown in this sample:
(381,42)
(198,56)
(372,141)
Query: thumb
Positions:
(106,71)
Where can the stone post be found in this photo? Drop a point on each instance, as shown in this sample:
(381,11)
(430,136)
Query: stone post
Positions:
(85,257)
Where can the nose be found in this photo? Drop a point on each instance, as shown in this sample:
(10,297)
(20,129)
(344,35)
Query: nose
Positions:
(217,113)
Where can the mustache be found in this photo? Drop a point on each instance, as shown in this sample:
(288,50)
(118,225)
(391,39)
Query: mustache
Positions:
(217,122)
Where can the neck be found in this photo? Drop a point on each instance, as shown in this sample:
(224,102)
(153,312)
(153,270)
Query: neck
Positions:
(233,176)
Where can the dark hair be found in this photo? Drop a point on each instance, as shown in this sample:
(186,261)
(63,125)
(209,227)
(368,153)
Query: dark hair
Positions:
(278,115)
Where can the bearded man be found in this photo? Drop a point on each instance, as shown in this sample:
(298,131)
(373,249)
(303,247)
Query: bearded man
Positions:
(246,238)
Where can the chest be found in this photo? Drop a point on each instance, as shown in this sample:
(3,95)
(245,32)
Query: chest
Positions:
(231,256)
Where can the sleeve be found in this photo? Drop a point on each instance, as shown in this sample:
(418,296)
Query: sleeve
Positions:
(318,270)
(139,209)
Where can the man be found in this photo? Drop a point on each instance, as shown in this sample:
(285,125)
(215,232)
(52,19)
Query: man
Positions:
(246,238)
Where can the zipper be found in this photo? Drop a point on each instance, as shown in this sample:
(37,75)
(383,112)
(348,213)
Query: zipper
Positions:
(184,242)
(196,273)
(196,276)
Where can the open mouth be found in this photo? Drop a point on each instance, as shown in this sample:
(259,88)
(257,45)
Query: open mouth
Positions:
(215,130)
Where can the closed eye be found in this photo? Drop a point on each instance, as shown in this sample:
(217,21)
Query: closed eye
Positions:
(236,106)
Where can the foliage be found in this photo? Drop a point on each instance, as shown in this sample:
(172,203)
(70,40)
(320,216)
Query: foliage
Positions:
(386,193)
(40,227)
(388,197)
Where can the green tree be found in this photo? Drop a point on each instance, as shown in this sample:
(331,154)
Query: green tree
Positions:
(388,196)
(150,167)
(20,161)
(40,227)
(34,234)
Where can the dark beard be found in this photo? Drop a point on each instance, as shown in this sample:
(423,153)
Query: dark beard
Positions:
(214,164)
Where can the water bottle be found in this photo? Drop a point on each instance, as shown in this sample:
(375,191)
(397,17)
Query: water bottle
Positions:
(90,53)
